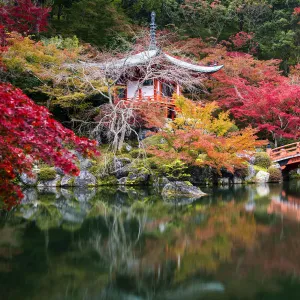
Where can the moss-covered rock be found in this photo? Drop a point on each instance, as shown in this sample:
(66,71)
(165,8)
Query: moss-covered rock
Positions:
(46,174)
(175,171)
(50,183)
(159,181)
(138,178)
(107,180)
(201,175)
(67,181)
(136,153)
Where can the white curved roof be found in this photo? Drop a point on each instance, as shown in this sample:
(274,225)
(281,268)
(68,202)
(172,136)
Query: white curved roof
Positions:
(136,59)
(146,56)
(196,68)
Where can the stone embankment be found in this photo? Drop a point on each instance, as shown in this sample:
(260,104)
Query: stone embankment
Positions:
(123,171)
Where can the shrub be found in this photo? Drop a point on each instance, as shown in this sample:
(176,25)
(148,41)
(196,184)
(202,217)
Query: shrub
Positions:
(263,160)
(152,162)
(47,174)
(69,43)
(154,140)
(294,175)
(135,153)
(177,170)
(275,174)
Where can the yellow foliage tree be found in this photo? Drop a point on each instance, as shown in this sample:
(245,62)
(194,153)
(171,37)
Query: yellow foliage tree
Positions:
(205,136)
(47,61)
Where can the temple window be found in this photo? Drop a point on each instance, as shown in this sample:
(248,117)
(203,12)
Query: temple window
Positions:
(148,82)
(167,89)
(122,93)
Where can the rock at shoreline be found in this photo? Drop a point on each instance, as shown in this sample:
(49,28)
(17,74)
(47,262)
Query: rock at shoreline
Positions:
(180,188)
(50,183)
(251,173)
(140,178)
(67,181)
(85,178)
(122,181)
(120,167)
(237,180)
(25,179)
(223,181)
(262,176)
(160,182)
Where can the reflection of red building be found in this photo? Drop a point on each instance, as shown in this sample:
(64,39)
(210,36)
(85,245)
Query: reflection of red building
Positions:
(289,209)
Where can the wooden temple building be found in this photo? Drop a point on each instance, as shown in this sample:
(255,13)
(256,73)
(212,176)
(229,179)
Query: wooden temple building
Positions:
(138,87)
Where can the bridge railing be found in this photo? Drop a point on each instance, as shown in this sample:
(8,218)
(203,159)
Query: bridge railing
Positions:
(285,151)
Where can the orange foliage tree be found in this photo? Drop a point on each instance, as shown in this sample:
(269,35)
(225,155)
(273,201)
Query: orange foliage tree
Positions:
(198,137)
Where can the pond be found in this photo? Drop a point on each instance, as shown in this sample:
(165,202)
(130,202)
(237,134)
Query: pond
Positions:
(238,242)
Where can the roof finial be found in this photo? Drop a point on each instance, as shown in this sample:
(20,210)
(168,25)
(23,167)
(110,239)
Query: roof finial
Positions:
(153,32)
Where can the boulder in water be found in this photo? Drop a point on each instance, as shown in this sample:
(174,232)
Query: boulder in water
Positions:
(180,188)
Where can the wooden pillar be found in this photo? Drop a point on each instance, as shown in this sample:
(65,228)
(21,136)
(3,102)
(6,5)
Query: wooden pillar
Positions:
(155,84)
(177,89)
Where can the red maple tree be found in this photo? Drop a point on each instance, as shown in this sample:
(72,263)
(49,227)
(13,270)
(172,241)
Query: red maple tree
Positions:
(272,106)
(24,17)
(28,134)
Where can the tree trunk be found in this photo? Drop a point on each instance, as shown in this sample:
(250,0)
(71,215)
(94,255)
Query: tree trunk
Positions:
(59,12)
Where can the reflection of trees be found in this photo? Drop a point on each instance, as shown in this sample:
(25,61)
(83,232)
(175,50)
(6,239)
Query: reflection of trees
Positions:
(125,246)
(10,245)
(202,247)
(286,203)
(125,226)
(274,254)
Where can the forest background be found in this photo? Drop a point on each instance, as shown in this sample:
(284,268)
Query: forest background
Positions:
(257,41)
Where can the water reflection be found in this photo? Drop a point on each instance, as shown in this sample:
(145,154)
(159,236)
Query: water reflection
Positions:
(131,244)
(287,202)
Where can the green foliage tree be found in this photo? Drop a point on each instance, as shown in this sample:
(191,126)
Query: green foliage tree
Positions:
(274,24)
(139,10)
(92,21)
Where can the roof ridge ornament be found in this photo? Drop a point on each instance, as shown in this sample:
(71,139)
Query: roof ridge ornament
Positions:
(153,27)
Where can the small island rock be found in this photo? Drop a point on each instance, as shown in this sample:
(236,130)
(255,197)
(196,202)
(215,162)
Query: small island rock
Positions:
(180,188)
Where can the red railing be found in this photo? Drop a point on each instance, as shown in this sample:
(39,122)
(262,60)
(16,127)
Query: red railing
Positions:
(286,151)
(167,101)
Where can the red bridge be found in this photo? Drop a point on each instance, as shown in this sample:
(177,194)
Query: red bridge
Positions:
(287,156)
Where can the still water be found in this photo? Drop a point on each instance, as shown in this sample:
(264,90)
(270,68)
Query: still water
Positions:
(240,242)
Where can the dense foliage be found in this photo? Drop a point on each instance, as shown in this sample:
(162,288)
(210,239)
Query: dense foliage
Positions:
(270,26)
(198,137)
(23,16)
(29,134)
